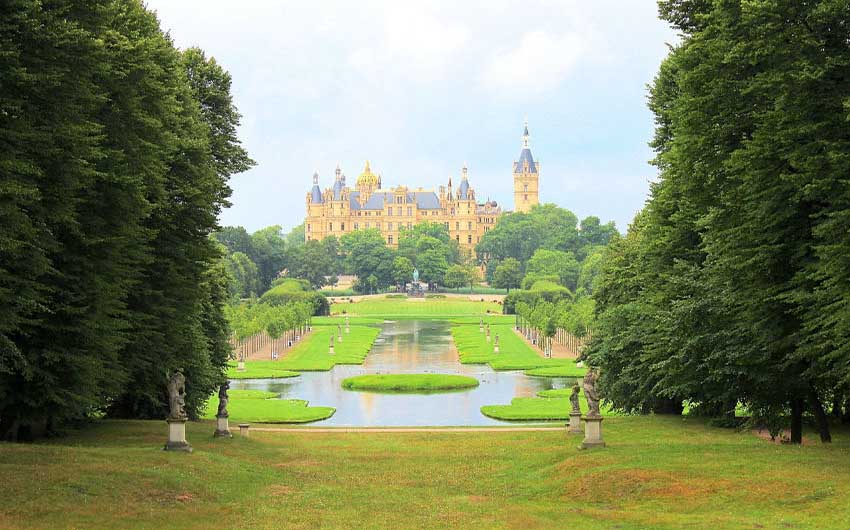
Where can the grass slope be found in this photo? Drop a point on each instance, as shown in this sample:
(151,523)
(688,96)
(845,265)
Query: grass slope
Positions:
(264,407)
(567,370)
(657,472)
(514,353)
(259,370)
(409,382)
(312,353)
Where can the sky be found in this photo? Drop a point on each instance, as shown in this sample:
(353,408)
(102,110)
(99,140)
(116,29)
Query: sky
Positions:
(422,88)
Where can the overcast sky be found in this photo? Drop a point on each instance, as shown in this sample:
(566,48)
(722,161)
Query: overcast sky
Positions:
(419,88)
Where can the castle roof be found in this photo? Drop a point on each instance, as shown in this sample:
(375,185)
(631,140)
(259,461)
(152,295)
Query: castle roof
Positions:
(367,178)
(525,156)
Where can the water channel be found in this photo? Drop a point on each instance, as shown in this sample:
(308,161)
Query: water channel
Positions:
(408,346)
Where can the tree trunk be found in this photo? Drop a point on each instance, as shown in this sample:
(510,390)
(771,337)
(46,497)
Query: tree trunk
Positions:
(845,417)
(820,416)
(796,421)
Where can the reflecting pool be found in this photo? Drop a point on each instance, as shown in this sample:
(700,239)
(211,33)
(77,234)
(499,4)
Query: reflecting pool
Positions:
(407,346)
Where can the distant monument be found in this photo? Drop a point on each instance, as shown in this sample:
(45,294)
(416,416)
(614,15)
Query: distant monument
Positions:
(593,419)
(415,289)
(222,426)
(177,414)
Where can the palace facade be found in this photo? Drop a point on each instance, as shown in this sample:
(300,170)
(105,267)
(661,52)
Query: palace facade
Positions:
(340,209)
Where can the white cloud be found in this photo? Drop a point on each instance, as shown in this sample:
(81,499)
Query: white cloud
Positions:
(539,63)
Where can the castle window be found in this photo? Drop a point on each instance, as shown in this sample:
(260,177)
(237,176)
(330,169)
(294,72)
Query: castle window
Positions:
(457,238)
(469,225)
(409,210)
(389,226)
(367,226)
(526,197)
(390,240)
(342,227)
(356,226)
(525,187)
(457,225)
(308,227)
(398,200)
(469,239)
(331,227)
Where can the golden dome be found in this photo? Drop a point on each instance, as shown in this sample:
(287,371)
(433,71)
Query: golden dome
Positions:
(367,178)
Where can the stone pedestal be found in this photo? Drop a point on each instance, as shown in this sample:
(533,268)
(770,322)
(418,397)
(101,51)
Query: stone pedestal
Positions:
(243,429)
(574,427)
(496,348)
(177,436)
(222,427)
(240,366)
(592,433)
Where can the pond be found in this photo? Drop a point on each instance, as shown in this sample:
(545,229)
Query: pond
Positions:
(407,346)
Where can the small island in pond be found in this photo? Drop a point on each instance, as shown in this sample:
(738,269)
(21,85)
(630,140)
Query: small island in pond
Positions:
(409,382)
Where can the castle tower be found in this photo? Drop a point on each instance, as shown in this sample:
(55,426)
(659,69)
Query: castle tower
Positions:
(526,177)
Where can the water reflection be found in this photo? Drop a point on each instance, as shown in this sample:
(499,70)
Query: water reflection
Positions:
(409,346)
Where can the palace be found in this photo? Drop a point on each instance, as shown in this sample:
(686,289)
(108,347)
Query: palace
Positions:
(339,210)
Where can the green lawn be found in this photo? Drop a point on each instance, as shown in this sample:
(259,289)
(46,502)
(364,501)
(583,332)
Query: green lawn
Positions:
(656,473)
(264,407)
(550,405)
(441,308)
(409,382)
(259,370)
(514,353)
(312,354)
(566,370)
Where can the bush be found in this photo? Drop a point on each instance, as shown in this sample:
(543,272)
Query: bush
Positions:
(285,293)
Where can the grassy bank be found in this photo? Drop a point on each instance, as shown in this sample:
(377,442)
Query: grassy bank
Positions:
(265,407)
(657,472)
(259,370)
(313,354)
(409,382)
(514,353)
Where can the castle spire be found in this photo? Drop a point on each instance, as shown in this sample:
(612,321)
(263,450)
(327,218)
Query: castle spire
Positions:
(464,171)
(338,172)
(315,178)
(525,136)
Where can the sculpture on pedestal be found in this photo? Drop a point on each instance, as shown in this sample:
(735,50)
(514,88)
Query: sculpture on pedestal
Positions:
(177,414)
(222,426)
(574,398)
(177,396)
(590,392)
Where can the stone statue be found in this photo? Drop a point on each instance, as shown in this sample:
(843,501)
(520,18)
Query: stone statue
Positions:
(222,400)
(177,396)
(574,398)
(415,275)
(590,393)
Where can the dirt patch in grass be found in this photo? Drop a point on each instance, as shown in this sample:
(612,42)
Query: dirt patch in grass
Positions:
(783,438)
(299,463)
(280,490)
(184,497)
(644,484)
(478,499)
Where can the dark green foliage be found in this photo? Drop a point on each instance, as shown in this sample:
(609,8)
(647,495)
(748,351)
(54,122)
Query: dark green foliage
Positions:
(108,191)
(732,285)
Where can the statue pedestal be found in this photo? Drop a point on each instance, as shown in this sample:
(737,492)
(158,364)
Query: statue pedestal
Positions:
(222,427)
(177,436)
(574,426)
(240,366)
(496,349)
(592,433)
(331,350)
